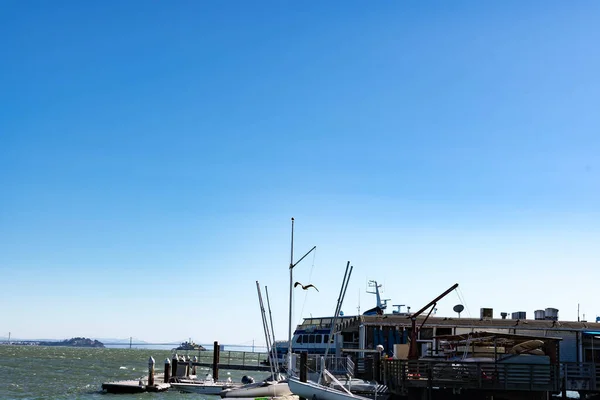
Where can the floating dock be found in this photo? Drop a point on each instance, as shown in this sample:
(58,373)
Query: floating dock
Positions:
(136,385)
(184,367)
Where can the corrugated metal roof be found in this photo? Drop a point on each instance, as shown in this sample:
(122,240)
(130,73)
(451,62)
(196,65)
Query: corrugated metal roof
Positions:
(484,334)
(477,323)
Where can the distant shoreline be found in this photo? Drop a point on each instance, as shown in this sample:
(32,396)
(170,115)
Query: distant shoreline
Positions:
(73,342)
(126,345)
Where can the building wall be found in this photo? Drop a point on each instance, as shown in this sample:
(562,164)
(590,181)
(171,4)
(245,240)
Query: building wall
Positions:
(568,345)
(462,331)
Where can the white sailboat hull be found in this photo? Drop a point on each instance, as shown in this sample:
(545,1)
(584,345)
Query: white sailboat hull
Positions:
(259,389)
(202,387)
(314,391)
(361,387)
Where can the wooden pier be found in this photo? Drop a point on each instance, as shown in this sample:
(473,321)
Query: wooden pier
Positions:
(183,366)
(421,379)
(152,383)
(134,386)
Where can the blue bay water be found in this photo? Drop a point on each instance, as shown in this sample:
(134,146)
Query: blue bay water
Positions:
(68,373)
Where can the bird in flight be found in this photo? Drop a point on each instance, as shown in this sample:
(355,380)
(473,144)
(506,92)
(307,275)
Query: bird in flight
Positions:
(310,285)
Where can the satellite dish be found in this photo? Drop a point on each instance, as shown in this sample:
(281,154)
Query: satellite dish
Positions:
(458,309)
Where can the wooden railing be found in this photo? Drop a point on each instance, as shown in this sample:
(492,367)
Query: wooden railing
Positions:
(400,375)
(336,365)
(581,376)
(234,359)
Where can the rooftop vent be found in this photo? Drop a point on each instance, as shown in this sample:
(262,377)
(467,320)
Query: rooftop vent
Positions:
(539,314)
(519,315)
(486,313)
(551,314)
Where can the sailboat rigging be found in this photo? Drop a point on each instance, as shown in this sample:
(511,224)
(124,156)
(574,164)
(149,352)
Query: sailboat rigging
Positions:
(273,387)
(272,347)
(272,361)
(292,265)
(338,308)
(319,390)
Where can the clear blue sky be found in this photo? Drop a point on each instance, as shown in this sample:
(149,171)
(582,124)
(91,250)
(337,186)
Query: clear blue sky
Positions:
(153,153)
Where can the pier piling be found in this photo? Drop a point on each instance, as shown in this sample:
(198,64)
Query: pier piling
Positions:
(377,366)
(174,365)
(180,367)
(167,375)
(151,371)
(216,354)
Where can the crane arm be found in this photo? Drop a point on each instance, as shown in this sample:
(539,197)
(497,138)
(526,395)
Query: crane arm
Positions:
(413,353)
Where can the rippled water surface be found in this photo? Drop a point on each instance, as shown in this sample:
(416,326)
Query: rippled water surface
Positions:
(39,372)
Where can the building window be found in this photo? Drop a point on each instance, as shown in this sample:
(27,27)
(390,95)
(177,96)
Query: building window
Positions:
(426,334)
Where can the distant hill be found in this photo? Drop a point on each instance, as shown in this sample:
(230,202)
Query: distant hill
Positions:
(74,342)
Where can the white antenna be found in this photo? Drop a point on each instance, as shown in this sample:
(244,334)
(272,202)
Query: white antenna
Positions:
(381,303)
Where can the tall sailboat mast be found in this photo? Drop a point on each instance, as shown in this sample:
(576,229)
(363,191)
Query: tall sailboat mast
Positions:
(289,366)
(292,265)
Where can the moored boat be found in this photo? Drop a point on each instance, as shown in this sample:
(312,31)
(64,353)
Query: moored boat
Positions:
(315,391)
(206,386)
(328,386)
(266,388)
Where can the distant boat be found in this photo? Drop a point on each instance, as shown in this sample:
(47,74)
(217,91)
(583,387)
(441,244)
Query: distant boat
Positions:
(189,346)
